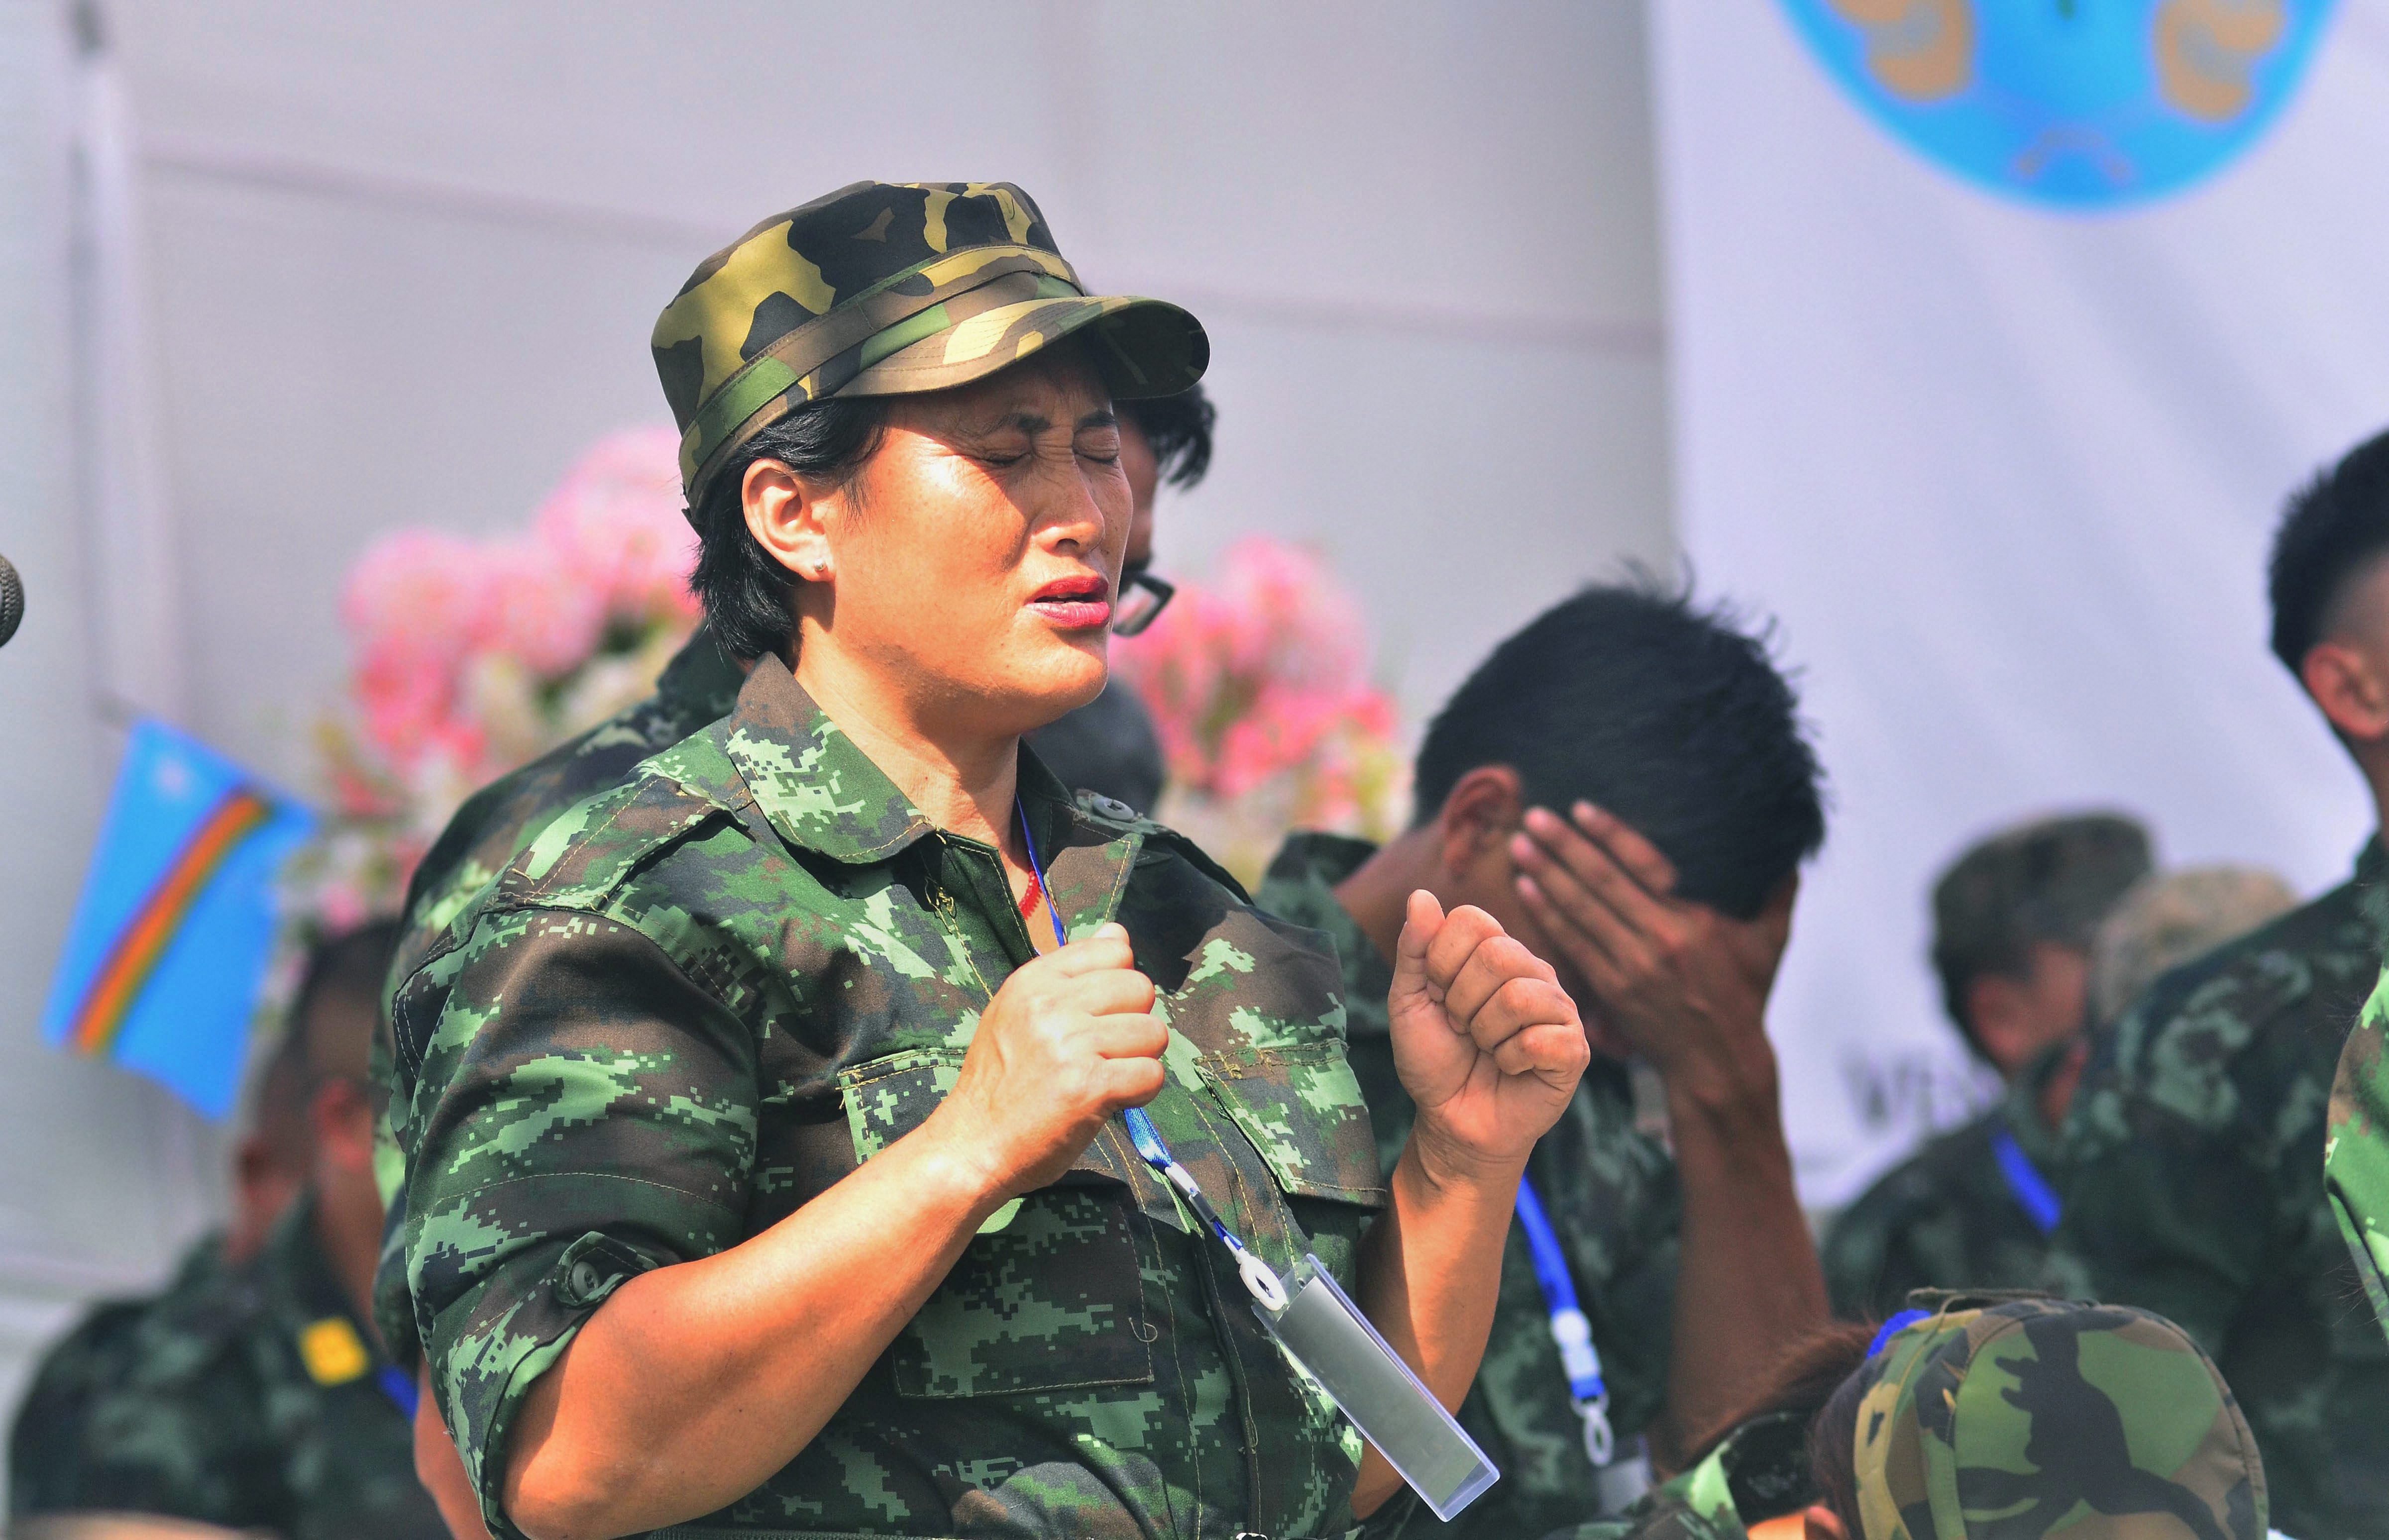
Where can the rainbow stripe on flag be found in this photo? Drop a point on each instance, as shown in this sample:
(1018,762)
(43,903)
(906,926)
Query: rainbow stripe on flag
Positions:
(170,938)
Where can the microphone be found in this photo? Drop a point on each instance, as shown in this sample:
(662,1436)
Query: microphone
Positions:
(12,600)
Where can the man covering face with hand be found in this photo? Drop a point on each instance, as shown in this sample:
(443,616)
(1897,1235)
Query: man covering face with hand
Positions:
(1624,785)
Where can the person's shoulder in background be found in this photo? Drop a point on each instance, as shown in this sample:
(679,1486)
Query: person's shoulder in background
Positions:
(152,1405)
(2234,1036)
(1927,1223)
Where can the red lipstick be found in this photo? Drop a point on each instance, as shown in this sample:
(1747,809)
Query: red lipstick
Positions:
(1075,603)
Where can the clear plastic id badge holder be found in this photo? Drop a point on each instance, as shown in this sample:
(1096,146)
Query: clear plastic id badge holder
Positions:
(1323,1332)
(1322,1329)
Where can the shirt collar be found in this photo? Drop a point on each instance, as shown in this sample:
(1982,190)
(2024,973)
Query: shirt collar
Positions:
(821,793)
(700,680)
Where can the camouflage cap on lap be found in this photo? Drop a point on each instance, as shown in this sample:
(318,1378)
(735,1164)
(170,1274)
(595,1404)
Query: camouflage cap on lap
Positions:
(2026,1417)
(885,288)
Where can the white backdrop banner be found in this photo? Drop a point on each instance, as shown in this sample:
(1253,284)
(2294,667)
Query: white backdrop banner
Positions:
(2000,333)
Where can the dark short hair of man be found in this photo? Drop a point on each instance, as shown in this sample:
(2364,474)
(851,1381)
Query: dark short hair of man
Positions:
(1669,715)
(2048,882)
(339,994)
(2332,529)
(1178,429)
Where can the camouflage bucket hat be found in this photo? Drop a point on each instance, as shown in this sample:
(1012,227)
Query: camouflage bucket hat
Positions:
(2022,1418)
(885,288)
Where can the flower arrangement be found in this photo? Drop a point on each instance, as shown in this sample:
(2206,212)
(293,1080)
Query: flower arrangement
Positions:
(471,656)
(1258,688)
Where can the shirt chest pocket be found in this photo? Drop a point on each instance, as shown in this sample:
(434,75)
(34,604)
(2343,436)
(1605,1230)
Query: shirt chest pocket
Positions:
(1049,1296)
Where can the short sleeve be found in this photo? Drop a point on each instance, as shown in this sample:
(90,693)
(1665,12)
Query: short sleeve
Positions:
(584,1111)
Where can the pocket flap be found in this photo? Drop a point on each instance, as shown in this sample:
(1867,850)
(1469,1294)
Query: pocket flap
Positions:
(889,1096)
(1302,1109)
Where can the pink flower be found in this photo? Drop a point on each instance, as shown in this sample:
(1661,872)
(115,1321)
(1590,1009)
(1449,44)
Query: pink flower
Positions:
(537,610)
(615,527)
(1261,682)
(470,657)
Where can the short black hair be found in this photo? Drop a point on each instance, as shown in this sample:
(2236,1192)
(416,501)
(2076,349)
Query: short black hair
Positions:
(340,996)
(2050,880)
(2332,530)
(1179,428)
(744,591)
(1669,715)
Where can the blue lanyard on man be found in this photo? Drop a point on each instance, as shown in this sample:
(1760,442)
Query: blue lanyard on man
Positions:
(1570,1330)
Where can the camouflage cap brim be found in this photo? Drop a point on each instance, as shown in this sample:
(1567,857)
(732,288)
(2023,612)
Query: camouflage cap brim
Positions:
(2034,1416)
(1143,347)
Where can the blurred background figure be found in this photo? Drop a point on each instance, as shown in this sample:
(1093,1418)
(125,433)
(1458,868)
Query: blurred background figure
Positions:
(1663,911)
(1108,746)
(2013,923)
(2192,1165)
(254,1392)
(2170,918)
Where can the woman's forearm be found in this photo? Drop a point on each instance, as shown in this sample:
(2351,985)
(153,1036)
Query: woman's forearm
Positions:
(1430,1273)
(693,1384)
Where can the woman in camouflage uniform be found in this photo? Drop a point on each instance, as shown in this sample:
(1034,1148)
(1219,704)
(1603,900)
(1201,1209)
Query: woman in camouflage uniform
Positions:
(764,1160)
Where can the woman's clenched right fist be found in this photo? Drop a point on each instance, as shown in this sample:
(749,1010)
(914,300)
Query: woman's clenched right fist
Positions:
(1068,1041)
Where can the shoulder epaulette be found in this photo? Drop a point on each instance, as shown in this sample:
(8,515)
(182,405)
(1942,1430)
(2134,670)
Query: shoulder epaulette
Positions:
(1120,817)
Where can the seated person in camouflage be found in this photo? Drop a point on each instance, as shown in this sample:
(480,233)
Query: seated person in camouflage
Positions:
(2031,1419)
(255,1395)
(2013,919)
(762,1149)
(2005,1416)
(1665,912)
(108,1347)
(1752,1470)
(2192,1163)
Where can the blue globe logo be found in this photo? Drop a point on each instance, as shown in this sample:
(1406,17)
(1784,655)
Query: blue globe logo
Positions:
(2083,103)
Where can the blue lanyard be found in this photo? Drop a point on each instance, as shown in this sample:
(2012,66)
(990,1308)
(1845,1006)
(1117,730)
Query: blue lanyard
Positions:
(1260,1279)
(1570,1330)
(397,1384)
(2033,1193)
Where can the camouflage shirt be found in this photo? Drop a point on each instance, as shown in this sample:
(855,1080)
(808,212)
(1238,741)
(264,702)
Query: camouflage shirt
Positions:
(2356,1153)
(697,686)
(696,1001)
(2192,1171)
(249,1396)
(1950,1216)
(1612,1196)
(1759,1472)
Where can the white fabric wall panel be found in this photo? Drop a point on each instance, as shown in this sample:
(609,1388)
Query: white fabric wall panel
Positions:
(1423,236)
(104,1176)
(2007,477)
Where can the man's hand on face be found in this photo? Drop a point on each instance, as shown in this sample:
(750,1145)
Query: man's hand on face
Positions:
(1683,984)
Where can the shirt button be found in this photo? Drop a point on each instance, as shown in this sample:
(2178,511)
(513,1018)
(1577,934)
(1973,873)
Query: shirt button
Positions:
(585,1279)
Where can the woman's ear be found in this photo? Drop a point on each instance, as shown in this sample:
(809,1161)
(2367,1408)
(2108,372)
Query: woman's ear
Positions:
(1820,1523)
(787,516)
